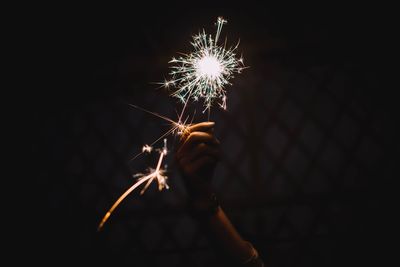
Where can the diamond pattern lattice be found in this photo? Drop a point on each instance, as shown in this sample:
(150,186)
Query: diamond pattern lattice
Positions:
(303,158)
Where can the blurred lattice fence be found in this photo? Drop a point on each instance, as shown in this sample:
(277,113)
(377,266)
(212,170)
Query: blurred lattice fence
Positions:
(303,165)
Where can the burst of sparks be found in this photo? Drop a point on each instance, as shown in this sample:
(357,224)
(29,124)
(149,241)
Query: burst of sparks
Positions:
(204,73)
(157,174)
(177,128)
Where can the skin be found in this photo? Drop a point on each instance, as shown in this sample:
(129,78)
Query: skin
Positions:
(197,156)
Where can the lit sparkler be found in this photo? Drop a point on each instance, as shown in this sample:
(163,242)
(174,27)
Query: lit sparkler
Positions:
(157,174)
(204,73)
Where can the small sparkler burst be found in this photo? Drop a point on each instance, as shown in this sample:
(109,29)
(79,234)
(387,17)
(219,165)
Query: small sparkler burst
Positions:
(152,174)
(204,73)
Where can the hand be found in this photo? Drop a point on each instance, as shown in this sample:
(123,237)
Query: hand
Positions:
(197,156)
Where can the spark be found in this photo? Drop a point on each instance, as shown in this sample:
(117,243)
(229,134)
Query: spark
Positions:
(204,73)
(177,128)
(157,174)
(147,148)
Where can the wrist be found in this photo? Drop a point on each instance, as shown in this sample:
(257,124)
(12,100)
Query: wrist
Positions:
(198,188)
(204,206)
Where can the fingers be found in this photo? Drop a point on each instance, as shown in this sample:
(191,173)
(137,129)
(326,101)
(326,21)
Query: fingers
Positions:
(198,154)
(201,127)
(198,127)
(195,138)
(200,150)
(201,162)
(194,167)
(203,149)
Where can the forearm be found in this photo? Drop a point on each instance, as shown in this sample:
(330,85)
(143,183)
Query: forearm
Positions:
(227,235)
(220,229)
(197,156)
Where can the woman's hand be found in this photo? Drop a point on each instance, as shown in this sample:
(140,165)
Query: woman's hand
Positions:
(197,156)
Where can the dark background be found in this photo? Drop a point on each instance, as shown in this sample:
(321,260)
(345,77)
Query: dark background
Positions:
(307,141)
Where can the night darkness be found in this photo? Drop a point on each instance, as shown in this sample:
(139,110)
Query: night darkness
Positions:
(308,139)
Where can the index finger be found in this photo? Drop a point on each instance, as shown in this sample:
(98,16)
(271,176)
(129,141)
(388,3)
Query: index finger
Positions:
(201,127)
(198,127)
(194,138)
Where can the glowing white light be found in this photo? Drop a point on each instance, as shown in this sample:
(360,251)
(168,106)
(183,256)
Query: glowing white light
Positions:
(209,67)
(204,73)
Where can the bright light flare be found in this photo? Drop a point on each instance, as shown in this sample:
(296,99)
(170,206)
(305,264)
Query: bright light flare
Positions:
(208,67)
(205,72)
